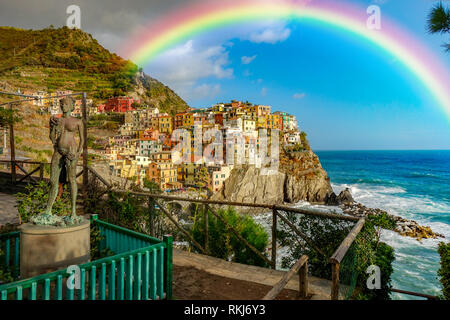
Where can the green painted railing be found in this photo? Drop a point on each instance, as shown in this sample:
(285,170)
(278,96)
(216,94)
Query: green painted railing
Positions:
(141,269)
(10,252)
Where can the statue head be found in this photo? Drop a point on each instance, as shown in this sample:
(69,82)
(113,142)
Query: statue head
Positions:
(66,104)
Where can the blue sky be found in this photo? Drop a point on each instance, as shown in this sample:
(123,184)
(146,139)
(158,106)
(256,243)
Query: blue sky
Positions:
(346,93)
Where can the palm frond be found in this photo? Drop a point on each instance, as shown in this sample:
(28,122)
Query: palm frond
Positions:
(439,19)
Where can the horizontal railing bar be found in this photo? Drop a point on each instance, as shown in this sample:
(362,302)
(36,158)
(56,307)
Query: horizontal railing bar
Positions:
(315,213)
(345,245)
(277,288)
(23,161)
(127,231)
(37,98)
(29,162)
(147,194)
(244,204)
(9,235)
(417,294)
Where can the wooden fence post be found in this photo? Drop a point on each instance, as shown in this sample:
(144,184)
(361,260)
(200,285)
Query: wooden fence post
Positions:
(41,171)
(206,228)
(151,220)
(274,239)
(303,280)
(12,148)
(334,281)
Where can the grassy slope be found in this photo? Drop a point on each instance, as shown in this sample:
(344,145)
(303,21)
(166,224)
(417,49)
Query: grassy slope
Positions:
(55,59)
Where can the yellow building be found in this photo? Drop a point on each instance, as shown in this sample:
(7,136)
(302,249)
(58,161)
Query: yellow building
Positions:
(261,122)
(257,111)
(188,119)
(153,123)
(168,175)
(218,108)
(273,121)
(165,124)
(237,112)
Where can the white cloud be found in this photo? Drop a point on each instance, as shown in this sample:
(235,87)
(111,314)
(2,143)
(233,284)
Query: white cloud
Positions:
(380,1)
(182,67)
(205,90)
(247,60)
(277,33)
(264,92)
(247,73)
(299,95)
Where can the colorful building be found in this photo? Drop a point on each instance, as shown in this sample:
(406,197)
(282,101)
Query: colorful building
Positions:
(120,104)
(165,124)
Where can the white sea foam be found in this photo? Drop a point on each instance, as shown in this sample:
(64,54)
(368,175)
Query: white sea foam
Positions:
(416,262)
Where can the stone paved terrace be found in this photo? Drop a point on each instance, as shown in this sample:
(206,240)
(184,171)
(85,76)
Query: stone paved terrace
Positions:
(319,288)
(8,211)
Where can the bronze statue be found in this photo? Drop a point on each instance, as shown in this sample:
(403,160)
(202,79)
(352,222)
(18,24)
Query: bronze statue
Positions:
(66,152)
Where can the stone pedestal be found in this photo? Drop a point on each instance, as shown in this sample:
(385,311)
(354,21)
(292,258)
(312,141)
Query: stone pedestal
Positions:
(47,248)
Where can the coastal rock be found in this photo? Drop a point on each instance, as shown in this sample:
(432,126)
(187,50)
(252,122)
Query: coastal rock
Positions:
(314,189)
(300,177)
(331,199)
(345,196)
(404,227)
(246,184)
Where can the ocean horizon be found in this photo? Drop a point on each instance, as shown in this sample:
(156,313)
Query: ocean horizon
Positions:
(413,184)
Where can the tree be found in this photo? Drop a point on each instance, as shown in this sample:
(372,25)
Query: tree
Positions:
(153,187)
(439,21)
(9,117)
(202,179)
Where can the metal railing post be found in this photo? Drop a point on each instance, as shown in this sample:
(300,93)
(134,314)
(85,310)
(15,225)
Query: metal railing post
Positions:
(168,265)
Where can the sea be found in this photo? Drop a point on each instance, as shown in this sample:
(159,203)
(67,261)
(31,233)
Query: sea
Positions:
(411,184)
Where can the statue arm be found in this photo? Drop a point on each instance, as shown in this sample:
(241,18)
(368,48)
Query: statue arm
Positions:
(53,126)
(80,132)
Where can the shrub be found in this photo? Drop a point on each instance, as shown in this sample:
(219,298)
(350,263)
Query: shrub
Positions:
(444,271)
(224,244)
(327,234)
(34,201)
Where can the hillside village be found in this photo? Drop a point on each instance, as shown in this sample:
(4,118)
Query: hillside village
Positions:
(142,148)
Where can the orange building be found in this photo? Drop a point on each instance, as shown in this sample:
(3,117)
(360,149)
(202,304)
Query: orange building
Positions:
(178,120)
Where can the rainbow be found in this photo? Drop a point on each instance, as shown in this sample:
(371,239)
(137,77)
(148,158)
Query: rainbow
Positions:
(180,25)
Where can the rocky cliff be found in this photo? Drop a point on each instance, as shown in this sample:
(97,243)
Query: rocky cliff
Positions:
(300,177)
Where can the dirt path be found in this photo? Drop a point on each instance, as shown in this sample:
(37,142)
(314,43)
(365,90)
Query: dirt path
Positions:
(193,284)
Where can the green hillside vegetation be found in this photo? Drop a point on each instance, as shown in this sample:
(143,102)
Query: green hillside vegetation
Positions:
(69,59)
(54,59)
